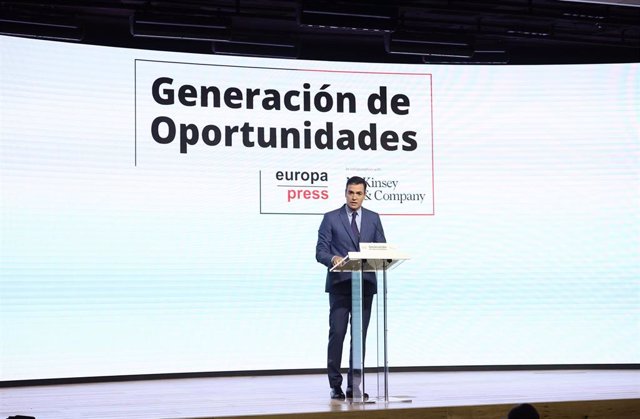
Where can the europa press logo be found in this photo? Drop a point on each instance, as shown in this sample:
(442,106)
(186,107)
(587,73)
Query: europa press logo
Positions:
(303,185)
(290,191)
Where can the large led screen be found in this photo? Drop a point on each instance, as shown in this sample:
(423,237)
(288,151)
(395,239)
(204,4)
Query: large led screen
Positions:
(159,211)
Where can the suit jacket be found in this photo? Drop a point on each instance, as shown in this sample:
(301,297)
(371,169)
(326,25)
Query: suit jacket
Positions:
(335,237)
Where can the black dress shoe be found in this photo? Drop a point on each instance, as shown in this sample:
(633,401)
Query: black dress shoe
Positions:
(350,394)
(336,393)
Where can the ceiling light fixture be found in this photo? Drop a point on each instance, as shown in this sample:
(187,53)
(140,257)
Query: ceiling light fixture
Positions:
(328,15)
(54,27)
(179,27)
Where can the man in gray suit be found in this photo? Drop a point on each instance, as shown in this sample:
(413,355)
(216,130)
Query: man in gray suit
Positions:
(341,232)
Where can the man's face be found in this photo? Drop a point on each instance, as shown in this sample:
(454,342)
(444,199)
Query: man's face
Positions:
(355,196)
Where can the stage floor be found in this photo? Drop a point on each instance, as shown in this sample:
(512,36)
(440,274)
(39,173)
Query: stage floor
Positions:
(304,394)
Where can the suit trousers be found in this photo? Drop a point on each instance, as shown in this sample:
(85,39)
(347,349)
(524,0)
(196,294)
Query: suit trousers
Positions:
(339,319)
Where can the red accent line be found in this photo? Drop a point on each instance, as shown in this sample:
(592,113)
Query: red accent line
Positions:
(433,174)
(410,215)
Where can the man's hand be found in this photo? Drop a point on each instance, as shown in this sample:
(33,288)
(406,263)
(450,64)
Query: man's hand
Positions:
(336,260)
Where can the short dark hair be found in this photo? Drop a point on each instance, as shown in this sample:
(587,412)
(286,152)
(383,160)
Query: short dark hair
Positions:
(356,180)
(523,411)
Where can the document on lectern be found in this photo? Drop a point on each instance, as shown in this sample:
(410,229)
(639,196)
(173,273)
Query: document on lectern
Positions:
(371,257)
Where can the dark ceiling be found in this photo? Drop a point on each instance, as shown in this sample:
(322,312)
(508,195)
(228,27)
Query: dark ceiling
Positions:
(411,31)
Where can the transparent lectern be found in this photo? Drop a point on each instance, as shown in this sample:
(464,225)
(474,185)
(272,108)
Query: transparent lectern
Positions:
(372,257)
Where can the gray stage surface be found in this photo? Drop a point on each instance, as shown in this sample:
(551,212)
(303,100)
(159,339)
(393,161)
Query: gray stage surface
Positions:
(309,394)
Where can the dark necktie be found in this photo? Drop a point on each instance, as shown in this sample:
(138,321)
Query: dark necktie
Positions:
(354,225)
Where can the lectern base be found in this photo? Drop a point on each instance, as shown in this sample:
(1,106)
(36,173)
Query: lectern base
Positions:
(396,399)
(367,401)
(392,399)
